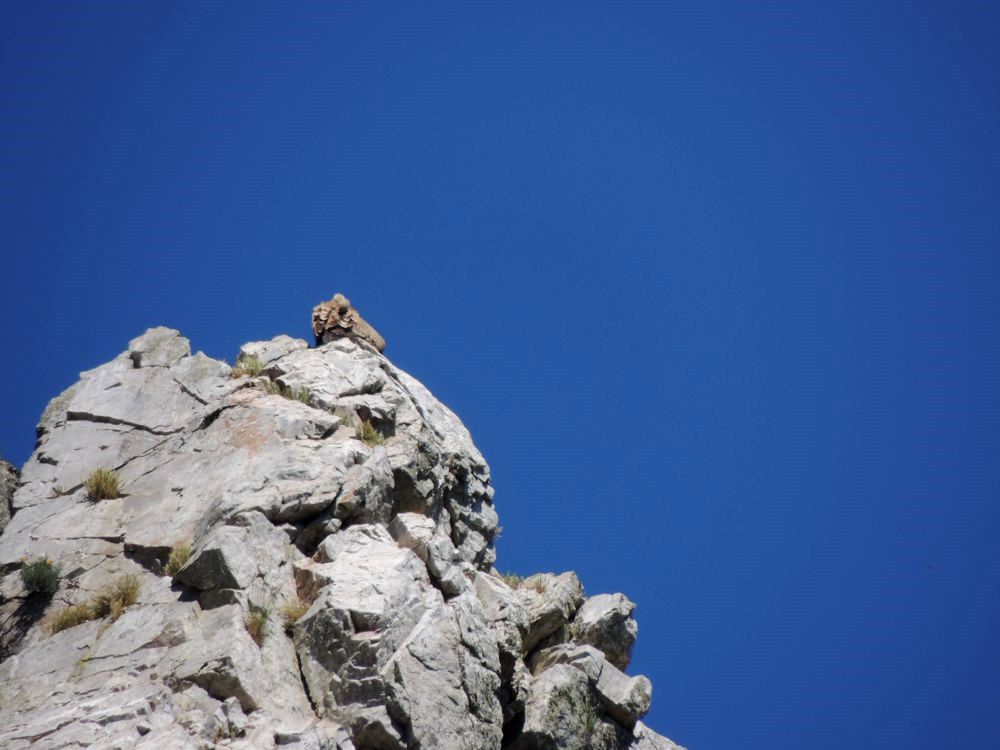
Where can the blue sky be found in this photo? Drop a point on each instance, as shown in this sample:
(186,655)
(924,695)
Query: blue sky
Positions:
(714,286)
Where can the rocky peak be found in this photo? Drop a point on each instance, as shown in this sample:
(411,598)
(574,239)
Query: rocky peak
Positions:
(298,551)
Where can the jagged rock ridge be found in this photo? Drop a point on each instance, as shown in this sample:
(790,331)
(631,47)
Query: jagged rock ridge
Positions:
(404,636)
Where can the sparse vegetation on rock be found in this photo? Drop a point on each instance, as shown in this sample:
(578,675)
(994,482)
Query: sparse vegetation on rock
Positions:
(256,622)
(247,367)
(110,602)
(178,558)
(293,394)
(40,576)
(102,484)
(292,611)
(368,434)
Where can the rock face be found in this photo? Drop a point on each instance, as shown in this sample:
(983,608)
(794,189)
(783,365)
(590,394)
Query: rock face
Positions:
(337,319)
(8,483)
(313,553)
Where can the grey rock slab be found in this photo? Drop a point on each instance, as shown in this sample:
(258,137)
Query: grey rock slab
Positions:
(413,531)
(9,478)
(557,712)
(399,647)
(645,738)
(550,601)
(233,557)
(159,347)
(605,621)
(505,613)
(149,399)
(267,352)
(626,699)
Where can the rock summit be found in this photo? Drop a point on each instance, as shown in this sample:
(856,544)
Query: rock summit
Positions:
(297,552)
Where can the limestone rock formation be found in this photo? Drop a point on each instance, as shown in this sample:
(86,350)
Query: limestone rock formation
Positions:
(310,556)
(337,318)
(8,483)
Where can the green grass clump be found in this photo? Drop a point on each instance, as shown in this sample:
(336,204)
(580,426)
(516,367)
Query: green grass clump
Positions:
(256,622)
(41,577)
(275,388)
(102,484)
(247,367)
(291,612)
(109,602)
(179,556)
(367,433)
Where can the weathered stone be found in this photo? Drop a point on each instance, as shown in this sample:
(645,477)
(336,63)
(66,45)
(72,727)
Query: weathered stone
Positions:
(158,347)
(605,622)
(626,699)
(233,557)
(408,638)
(267,352)
(399,656)
(645,738)
(9,476)
(550,602)
(337,319)
(559,712)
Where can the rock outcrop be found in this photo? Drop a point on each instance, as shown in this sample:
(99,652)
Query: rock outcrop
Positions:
(8,483)
(337,319)
(308,560)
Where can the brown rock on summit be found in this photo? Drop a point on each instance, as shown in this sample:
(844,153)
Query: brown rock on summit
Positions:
(337,319)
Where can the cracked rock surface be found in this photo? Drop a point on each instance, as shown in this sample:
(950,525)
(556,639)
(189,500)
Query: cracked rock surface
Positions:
(324,591)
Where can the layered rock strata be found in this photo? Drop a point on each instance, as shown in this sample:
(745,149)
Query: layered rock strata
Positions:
(312,553)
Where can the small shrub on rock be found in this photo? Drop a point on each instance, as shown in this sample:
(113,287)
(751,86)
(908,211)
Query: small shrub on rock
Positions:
(367,433)
(291,612)
(512,579)
(275,388)
(109,602)
(115,598)
(102,484)
(256,622)
(40,577)
(247,367)
(179,556)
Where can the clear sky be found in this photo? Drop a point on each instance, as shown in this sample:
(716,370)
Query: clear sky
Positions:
(715,286)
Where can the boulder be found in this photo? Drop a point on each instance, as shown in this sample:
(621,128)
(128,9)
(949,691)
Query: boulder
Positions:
(605,622)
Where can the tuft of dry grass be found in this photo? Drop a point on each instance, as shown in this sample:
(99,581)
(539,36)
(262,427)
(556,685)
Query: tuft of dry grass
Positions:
(275,388)
(70,617)
(179,556)
(512,579)
(367,433)
(247,367)
(256,622)
(110,602)
(291,612)
(102,484)
(534,583)
(115,598)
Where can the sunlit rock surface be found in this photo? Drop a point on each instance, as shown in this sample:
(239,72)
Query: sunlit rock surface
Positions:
(337,588)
